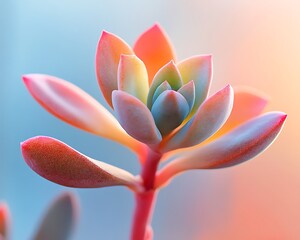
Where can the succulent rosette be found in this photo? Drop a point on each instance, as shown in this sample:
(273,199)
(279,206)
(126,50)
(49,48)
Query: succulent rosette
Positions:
(162,111)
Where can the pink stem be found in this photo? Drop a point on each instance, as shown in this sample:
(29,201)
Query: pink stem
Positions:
(142,215)
(145,200)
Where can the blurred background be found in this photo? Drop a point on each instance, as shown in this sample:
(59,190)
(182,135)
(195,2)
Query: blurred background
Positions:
(254,43)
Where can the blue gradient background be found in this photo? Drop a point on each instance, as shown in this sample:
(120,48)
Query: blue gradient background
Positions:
(60,37)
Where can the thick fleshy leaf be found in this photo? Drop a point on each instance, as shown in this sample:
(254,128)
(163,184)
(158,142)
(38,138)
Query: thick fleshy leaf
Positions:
(132,77)
(135,118)
(161,88)
(154,49)
(248,103)
(168,73)
(59,220)
(209,118)
(59,163)
(109,50)
(188,91)
(169,110)
(235,147)
(198,69)
(76,107)
(4,220)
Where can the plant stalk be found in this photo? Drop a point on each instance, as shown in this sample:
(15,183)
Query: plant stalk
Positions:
(145,200)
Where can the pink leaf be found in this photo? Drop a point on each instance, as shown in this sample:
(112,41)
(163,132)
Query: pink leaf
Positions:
(59,163)
(109,50)
(135,118)
(160,89)
(208,119)
(235,147)
(198,69)
(154,48)
(248,103)
(60,218)
(169,73)
(188,91)
(4,221)
(76,107)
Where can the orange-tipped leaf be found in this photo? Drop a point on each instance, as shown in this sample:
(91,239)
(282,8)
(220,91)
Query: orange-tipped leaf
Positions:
(109,50)
(154,48)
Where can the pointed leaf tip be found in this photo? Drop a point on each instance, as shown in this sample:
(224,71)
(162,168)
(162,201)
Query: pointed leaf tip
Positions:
(169,110)
(109,50)
(154,55)
(160,89)
(74,106)
(59,163)
(169,73)
(135,118)
(248,103)
(60,218)
(199,69)
(247,140)
(188,91)
(211,115)
(241,144)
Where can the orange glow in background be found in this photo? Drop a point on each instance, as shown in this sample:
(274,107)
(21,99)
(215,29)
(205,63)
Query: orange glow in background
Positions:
(254,43)
(259,46)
